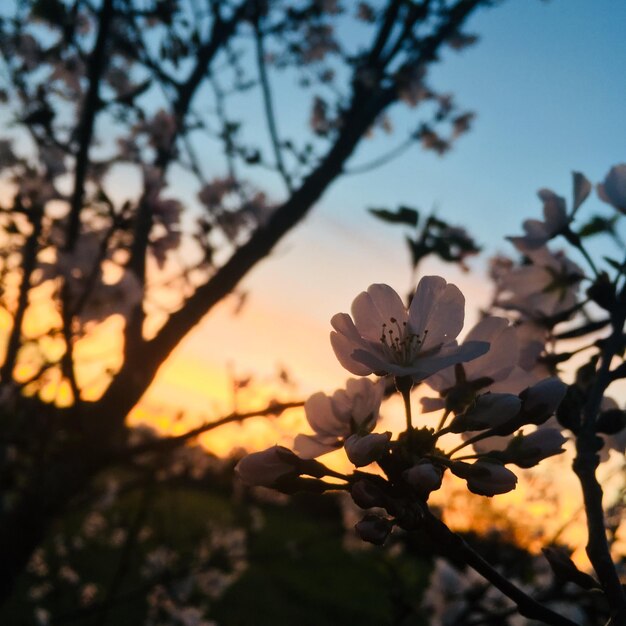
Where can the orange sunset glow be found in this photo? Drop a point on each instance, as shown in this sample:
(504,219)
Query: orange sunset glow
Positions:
(312,312)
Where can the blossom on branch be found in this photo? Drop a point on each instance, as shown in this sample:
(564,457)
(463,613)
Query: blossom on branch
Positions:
(613,189)
(546,287)
(383,337)
(350,411)
(539,233)
(459,384)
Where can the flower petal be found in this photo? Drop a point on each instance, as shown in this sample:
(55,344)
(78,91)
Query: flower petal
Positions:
(321,417)
(438,308)
(311,446)
(429,365)
(379,305)
(344,340)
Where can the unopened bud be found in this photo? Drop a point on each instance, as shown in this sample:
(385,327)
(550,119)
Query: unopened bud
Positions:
(365,450)
(374,529)
(367,494)
(528,450)
(485,478)
(611,422)
(489,411)
(541,400)
(424,478)
(602,292)
(264,468)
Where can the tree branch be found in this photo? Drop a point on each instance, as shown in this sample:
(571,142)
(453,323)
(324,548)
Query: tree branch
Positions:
(91,106)
(585,465)
(29,260)
(453,546)
(141,364)
(164,444)
(269,106)
(221,32)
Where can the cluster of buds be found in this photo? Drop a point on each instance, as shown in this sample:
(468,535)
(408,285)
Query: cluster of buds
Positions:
(406,347)
(496,390)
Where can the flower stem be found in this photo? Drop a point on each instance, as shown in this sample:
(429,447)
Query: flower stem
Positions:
(404,384)
(442,422)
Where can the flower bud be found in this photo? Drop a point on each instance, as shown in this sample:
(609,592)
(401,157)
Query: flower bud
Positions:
(424,478)
(365,450)
(529,450)
(541,400)
(367,494)
(266,467)
(374,529)
(485,478)
(602,292)
(489,411)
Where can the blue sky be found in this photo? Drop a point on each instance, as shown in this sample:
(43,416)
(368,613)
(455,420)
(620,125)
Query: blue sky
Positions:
(548,85)
(547,82)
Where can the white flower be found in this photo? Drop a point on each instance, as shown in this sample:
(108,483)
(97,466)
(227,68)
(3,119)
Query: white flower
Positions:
(353,410)
(537,232)
(546,287)
(363,450)
(385,338)
(613,189)
(487,369)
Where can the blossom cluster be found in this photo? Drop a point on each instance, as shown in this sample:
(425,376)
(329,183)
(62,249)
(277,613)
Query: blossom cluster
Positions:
(497,390)
(406,347)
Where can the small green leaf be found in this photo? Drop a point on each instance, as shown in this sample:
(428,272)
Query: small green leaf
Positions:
(597,225)
(403,215)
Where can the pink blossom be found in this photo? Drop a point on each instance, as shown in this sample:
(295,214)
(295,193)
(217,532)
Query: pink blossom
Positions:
(613,189)
(539,233)
(266,467)
(546,287)
(385,338)
(334,418)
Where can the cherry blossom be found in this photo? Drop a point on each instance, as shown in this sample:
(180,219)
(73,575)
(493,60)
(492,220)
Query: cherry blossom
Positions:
(544,288)
(353,410)
(539,233)
(613,189)
(385,338)
(460,382)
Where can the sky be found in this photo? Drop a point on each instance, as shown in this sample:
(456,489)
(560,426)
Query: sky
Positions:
(546,81)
